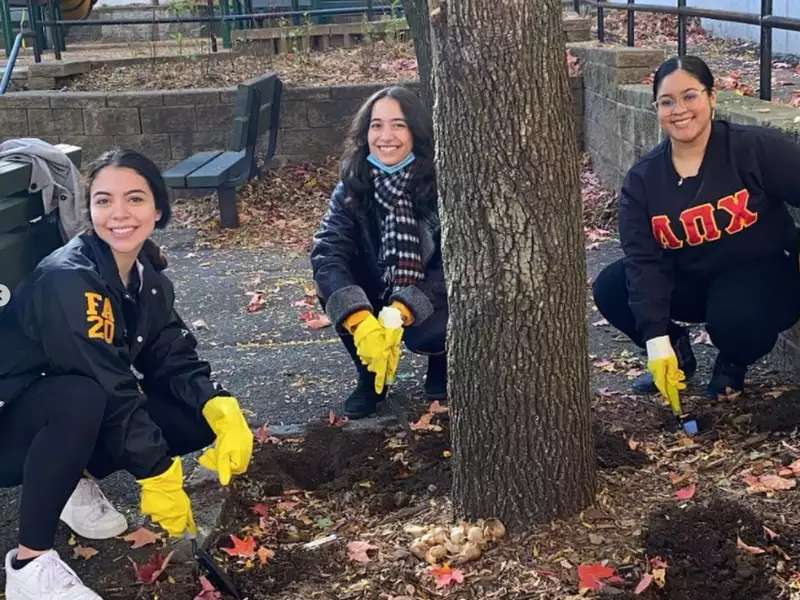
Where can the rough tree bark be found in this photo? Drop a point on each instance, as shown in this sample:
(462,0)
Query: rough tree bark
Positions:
(419,23)
(513,247)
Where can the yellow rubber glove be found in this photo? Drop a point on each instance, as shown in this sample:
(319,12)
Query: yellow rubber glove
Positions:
(370,341)
(233,447)
(165,502)
(663,365)
(405,312)
(392,320)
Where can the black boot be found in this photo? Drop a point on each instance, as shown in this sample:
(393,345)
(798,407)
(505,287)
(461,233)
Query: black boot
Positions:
(726,379)
(686,362)
(436,377)
(363,400)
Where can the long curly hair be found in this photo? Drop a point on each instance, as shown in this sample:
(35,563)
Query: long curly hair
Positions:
(355,171)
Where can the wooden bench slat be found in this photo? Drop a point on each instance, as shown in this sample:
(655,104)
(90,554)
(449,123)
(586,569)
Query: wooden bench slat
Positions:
(18,211)
(218,172)
(176,176)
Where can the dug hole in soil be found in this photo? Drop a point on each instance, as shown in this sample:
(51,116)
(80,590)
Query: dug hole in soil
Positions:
(298,490)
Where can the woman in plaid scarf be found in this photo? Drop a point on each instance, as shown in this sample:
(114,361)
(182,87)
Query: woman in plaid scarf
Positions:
(379,246)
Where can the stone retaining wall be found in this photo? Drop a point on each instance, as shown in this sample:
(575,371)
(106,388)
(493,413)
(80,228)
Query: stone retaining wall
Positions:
(170,125)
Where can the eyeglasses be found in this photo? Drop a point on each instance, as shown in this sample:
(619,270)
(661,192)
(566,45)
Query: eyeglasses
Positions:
(689,100)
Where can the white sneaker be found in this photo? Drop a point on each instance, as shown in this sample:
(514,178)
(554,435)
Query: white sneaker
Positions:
(89,513)
(46,577)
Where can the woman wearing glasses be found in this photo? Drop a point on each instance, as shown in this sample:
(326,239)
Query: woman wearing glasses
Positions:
(707,238)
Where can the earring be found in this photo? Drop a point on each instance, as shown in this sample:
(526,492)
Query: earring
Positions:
(713,112)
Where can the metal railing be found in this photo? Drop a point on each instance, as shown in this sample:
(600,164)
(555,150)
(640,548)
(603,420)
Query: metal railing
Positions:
(765,20)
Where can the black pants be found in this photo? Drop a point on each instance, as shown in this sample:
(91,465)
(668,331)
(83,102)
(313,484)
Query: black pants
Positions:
(429,337)
(48,437)
(744,308)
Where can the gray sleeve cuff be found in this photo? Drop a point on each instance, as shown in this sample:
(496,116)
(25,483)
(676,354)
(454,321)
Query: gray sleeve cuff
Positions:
(416,301)
(344,302)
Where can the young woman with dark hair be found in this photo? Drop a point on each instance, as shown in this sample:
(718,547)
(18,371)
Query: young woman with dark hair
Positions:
(379,248)
(104,376)
(707,238)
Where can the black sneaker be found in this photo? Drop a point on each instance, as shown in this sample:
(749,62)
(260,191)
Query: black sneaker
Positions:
(436,377)
(727,378)
(687,363)
(363,400)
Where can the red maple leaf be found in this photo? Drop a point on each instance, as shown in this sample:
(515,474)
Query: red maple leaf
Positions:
(150,571)
(446,576)
(594,576)
(243,548)
(686,493)
(207,591)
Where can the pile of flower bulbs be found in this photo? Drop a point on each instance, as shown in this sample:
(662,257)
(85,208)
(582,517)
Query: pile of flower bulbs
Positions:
(462,543)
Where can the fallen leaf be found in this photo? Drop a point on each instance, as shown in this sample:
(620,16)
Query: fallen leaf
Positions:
(257,302)
(243,548)
(749,549)
(446,576)
(593,576)
(357,551)
(263,436)
(150,571)
(320,322)
(436,408)
(285,505)
(260,509)
(686,493)
(644,583)
(200,324)
(265,554)
(767,483)
(336,421)
(84,552)
(771,535)
(142,537)
(323,523)
(659,572)
(207,590)
(633,444)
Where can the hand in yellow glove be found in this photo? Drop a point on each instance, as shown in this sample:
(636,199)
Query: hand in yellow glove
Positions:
(165,502)
(663,365)
(391,317)
(233,447)
(370,340)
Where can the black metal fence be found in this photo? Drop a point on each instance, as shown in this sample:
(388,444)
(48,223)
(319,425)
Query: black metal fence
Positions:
(765,20)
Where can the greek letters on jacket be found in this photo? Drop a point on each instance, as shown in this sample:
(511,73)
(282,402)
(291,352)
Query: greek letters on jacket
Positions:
(706,222)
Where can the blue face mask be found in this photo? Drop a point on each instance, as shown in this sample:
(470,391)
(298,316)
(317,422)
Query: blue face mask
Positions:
(389,169)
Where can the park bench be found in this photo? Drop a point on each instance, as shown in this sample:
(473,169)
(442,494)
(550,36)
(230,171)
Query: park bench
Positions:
(26,234)
(256,112)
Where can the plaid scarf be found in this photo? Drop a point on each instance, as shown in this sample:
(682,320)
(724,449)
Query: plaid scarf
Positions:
(399,248)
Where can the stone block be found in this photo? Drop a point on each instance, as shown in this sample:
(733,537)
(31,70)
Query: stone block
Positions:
(337,113)
(14,122)
(92,146)
(200,96)
(168,119)
(135,99)
(62,68)
(638,57)
(78,100)
(625,122)
(111,121)
(632,74)
(41,83)
(228,95)
(58,122)
(306,93)
(646,130)
(312,143)
(187,143)
(218,116)
(294,115)
(25,100)
(154,146)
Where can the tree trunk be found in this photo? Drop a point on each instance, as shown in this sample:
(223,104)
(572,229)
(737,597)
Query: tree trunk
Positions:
(419,23)
(514,258)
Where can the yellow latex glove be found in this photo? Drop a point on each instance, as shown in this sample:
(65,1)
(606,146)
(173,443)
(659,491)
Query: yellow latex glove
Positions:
(669,380)
(165,502)
(370,340)
(392,320)
(233,447)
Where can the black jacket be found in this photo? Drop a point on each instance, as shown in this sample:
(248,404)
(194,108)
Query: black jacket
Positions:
(344,257)
(67,317)
(733,211)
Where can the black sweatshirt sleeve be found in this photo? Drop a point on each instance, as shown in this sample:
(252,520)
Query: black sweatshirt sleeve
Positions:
(779,162)
(648,271)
